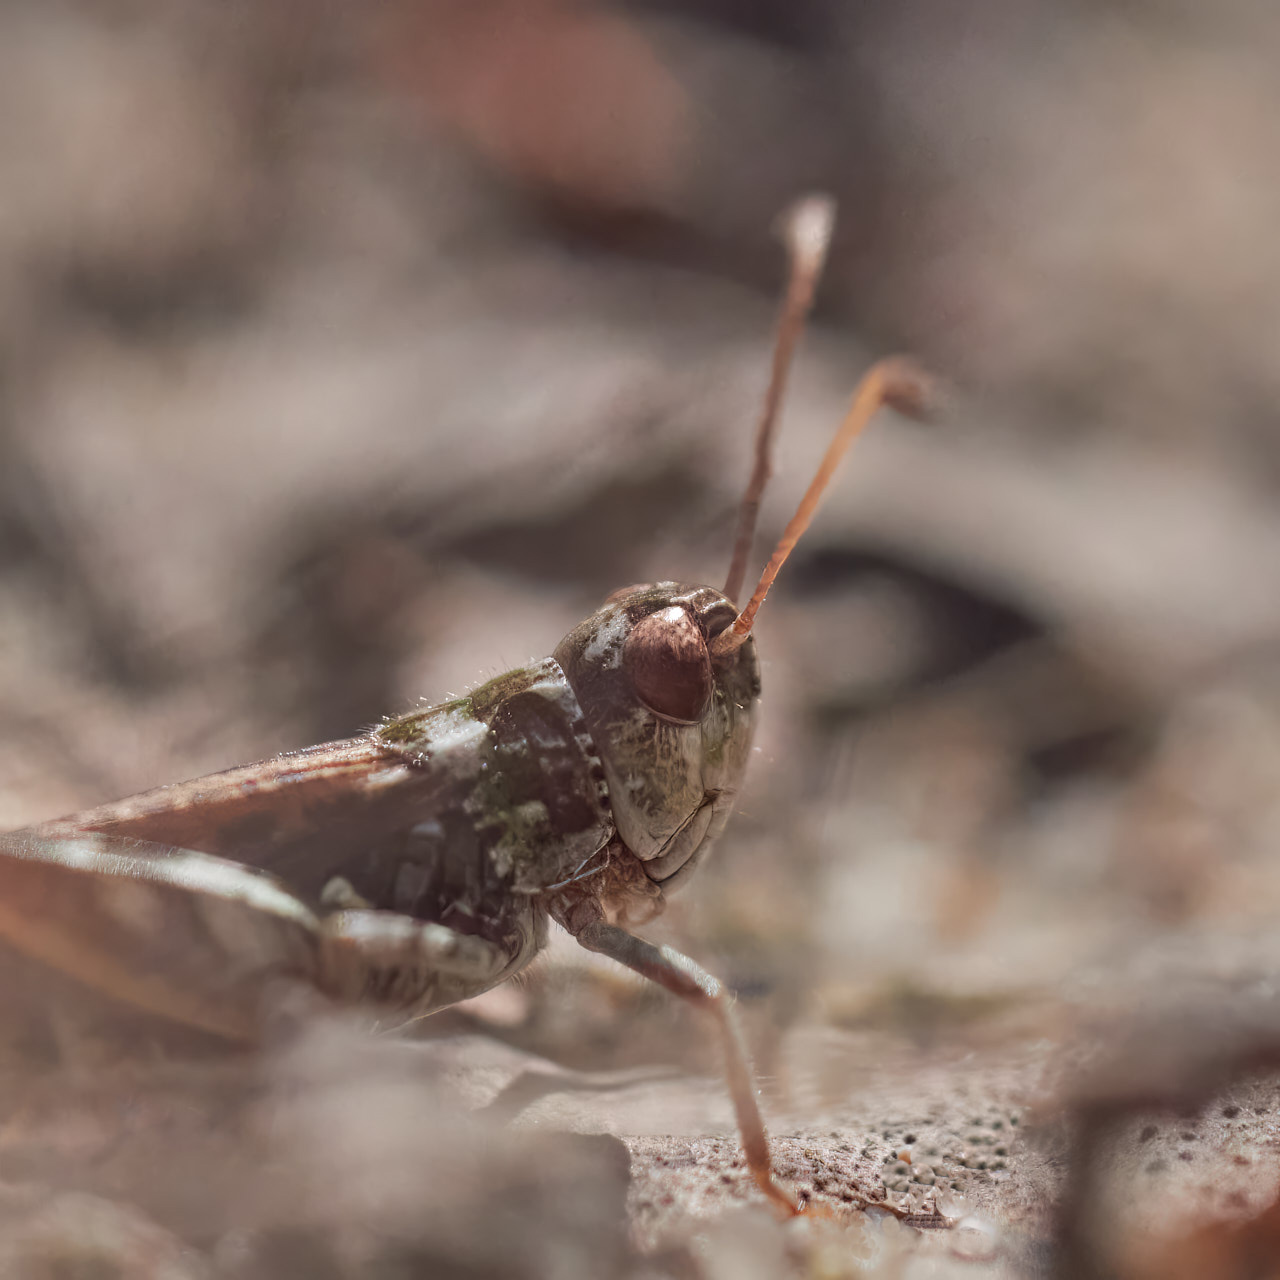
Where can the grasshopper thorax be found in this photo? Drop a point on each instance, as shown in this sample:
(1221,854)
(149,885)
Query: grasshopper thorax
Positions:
(671,720)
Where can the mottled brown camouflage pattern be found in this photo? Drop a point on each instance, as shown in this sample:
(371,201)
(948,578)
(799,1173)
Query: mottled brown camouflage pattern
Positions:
(419,862)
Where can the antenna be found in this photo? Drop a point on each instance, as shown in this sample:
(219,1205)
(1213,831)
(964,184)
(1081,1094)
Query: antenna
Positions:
(806,229)
(897,382)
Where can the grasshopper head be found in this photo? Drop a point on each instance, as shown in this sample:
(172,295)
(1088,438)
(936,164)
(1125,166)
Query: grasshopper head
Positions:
(666,674)
(672,721)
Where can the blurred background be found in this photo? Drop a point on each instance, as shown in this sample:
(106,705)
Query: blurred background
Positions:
(349,354)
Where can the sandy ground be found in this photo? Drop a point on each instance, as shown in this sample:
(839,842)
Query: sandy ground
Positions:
(140,1149)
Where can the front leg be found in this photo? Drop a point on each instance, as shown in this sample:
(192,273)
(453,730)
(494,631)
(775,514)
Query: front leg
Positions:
(691,982)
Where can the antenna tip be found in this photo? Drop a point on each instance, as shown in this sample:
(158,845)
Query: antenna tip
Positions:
(807,226)
(908,389)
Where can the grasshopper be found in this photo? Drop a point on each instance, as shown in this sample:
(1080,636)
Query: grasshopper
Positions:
(420,863)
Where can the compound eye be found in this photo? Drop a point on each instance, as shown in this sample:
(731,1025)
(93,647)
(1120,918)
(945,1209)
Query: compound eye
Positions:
(666,658)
